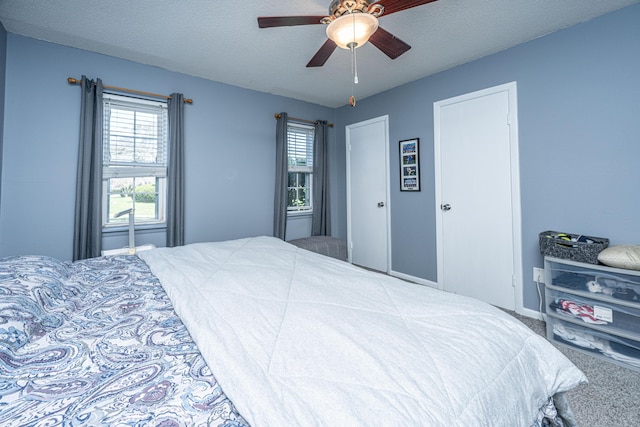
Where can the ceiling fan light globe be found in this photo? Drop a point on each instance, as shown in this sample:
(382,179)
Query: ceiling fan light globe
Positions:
(341,30)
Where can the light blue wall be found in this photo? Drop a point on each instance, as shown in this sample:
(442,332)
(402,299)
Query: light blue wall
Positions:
(230,152)
(579,134)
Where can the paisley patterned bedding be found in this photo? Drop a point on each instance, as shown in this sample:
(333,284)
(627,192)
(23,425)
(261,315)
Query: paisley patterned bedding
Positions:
(97,343)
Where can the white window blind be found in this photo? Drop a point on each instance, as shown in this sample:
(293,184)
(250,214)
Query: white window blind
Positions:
(300,147)
(135,137)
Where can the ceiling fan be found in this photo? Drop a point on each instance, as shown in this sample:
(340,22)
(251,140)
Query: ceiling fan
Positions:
(350,24)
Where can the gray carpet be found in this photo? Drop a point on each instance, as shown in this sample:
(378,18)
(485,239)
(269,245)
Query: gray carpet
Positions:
(612,396)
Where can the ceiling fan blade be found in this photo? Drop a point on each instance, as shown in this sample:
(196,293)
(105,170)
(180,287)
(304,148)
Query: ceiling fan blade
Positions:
(287,21)
(322,54)
(393,6)
(389,44)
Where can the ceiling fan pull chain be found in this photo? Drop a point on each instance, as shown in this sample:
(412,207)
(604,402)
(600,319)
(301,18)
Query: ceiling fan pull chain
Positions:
(354,65)
(354,69)
(354,62)
(353,51)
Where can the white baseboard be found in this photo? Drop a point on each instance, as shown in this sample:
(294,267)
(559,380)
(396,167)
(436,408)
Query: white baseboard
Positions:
(530,313)
(521,310)
(414,279)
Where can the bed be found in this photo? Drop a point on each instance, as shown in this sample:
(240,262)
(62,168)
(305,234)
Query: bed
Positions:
(259,332)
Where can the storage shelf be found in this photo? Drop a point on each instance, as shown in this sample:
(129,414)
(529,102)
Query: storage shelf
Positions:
(630,276)
(594,296)
(612,329)
(604,339)
(604,329)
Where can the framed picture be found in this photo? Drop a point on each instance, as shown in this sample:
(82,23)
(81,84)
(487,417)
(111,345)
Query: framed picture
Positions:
(410,165)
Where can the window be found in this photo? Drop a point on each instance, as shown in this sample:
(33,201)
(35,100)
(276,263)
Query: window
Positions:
(300,159)
(135,160)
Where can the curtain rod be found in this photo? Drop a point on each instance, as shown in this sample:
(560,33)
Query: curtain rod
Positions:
(313,122)
(73,81)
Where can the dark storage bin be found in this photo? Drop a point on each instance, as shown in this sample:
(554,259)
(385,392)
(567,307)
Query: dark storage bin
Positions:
(578,248)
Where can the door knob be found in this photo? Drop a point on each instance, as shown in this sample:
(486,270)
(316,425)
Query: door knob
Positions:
(445,207)
(381,204)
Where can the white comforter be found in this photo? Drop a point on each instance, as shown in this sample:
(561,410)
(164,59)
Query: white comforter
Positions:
(299,339)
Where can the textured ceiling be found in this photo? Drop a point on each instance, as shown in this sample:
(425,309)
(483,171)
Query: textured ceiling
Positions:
(221,41)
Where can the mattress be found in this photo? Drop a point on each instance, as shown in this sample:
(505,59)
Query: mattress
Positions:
(259,332)
(297,338)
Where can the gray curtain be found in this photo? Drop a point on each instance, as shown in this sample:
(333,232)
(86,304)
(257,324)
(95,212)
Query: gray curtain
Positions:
(87,230)
(175,172)
(282,175)
(321,222)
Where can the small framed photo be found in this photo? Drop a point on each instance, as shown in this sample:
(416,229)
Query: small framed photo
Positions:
(409,165)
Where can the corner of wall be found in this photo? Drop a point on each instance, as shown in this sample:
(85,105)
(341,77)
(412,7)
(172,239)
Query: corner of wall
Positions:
(3,68)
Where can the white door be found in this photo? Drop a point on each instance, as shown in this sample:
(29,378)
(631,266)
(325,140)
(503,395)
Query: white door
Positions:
(367,146)
(477,196)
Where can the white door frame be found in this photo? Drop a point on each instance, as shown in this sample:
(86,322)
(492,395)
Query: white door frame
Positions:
(385,120)
(511,89)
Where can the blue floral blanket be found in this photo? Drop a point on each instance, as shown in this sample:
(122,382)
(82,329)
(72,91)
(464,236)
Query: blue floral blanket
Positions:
(97,343)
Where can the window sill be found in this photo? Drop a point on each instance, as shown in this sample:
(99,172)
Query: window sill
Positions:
(139,228)
(299,214)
